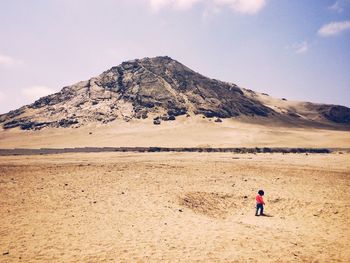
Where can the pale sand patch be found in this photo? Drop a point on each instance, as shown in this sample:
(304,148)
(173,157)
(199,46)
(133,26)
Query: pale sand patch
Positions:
(98,207)
(184,132)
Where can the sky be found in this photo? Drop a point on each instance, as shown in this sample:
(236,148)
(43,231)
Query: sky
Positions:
(294,49)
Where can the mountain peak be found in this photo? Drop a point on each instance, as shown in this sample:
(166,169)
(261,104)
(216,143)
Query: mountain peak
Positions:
(158,60)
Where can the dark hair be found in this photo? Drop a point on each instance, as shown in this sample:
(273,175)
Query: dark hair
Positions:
(261,192)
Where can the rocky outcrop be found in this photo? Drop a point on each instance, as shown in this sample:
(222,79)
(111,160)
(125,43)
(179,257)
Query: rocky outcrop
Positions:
(145,88)
(334,113)
(136,89)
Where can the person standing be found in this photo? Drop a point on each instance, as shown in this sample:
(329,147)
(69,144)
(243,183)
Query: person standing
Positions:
(260,203)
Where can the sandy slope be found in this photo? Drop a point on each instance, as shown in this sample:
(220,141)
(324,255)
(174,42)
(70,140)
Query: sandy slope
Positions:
(184,132)
(300,108)
(192,207)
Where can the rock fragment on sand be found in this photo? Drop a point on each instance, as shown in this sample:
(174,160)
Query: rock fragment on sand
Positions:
(156,122)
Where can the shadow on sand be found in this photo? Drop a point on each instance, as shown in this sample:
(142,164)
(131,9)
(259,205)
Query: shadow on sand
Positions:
(266,215)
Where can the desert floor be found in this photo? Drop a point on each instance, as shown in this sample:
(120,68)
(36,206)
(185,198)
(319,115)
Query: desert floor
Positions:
(184,132)
(174,207)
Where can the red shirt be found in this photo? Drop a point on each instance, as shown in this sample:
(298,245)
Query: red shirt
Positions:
(259,199)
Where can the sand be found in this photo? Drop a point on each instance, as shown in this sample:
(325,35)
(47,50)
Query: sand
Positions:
(174,207)
(184,132)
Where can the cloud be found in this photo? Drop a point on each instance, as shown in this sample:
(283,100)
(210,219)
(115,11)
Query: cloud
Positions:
(9,61)
(339,5)
(334,28)
(336,7)
(156,5)
(35,92)
(249,7)
(300,48)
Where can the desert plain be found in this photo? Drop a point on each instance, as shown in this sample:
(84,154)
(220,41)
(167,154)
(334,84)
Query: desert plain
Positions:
(142,131)
(174,207)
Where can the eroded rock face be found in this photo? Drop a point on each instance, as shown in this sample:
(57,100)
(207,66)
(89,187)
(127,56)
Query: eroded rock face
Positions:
(165,83)
(334,113)
(142,88)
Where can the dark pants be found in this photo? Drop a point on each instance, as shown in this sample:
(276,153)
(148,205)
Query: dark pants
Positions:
(261,208)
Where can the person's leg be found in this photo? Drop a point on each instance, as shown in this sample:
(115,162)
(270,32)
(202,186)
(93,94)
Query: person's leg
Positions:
(258,206)
(262,210)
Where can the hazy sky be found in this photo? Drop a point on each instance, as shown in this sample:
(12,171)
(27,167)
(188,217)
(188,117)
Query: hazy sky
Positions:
(295,49)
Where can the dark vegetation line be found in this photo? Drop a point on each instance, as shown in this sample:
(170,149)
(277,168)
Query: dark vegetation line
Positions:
(22,151)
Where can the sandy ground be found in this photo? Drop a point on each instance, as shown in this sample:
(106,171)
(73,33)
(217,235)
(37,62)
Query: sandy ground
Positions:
(174,207)
(184,132)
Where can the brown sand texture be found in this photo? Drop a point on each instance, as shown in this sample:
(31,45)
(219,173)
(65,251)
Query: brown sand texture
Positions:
(174,207)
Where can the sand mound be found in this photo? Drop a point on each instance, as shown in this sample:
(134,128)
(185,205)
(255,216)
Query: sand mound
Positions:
(216,205)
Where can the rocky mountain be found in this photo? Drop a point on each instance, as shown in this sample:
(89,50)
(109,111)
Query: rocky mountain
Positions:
(161,89)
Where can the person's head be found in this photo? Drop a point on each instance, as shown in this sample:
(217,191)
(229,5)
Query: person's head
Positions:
(261,192)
